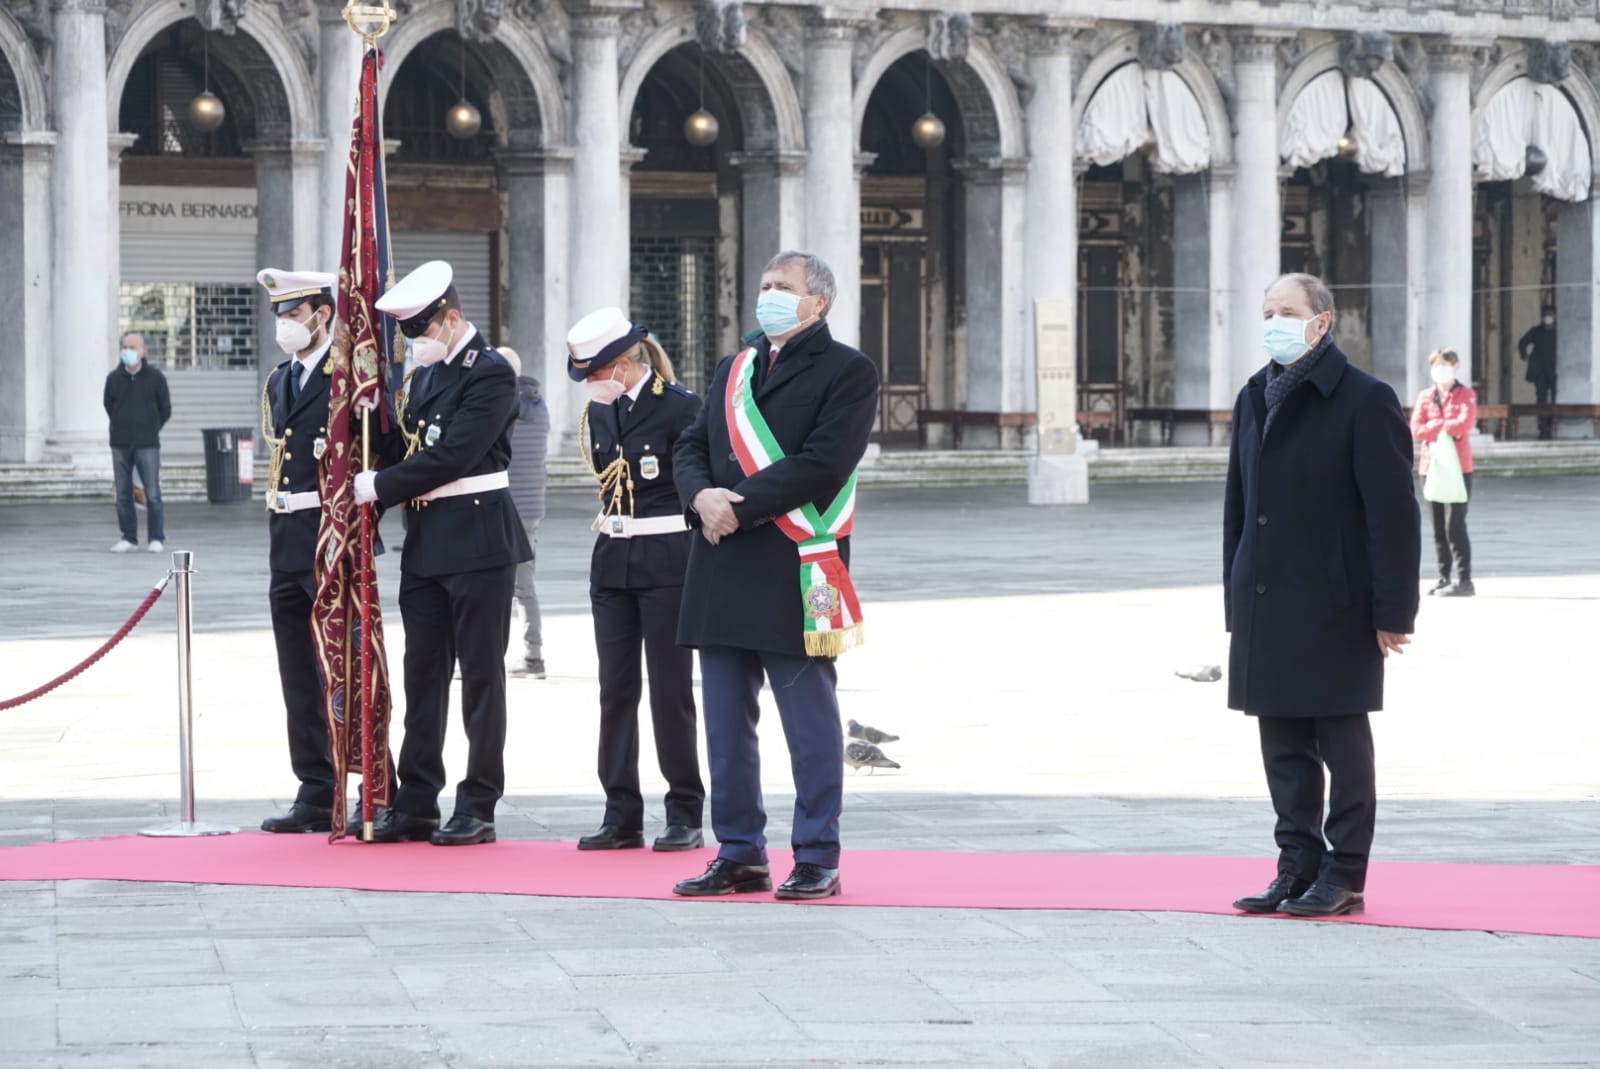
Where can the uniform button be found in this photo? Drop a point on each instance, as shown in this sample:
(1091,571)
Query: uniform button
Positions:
(1262,519)
(288,432)
(733,456)
(286,480)
(288,456)
(475,501)
(1261,588)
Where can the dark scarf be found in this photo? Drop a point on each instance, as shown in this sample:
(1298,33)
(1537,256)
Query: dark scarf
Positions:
(1282,381)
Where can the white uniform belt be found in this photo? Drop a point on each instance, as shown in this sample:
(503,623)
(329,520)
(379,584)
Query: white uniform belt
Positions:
(280,502)
(629,527)
(472,484)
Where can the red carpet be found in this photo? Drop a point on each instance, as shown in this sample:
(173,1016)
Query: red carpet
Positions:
(1537,899)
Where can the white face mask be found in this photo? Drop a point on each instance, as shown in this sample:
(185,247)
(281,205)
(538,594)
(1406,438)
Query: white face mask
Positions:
(293,336)
(604,391)
(1443,375)
(427,351)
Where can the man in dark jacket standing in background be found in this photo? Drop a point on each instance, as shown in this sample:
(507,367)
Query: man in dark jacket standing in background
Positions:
(530,448)
(139,405)
(1321,553)
(1538,348)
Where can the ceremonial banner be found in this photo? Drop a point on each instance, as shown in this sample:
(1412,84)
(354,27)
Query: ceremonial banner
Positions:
(346,624)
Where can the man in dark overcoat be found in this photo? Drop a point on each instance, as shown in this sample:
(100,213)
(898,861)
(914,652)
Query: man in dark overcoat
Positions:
(743,604)
(1321,554)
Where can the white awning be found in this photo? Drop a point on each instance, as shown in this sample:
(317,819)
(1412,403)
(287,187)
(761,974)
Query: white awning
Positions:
(1132,105)
(1523,113)
(1332,105)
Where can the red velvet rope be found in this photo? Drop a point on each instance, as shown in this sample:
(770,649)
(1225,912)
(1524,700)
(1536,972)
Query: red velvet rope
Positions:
(122,632)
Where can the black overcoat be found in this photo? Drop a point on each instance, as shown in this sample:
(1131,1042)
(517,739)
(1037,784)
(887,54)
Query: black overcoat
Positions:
(645,435)
(1321,543)
(292,536)
(821,401)
(466,407)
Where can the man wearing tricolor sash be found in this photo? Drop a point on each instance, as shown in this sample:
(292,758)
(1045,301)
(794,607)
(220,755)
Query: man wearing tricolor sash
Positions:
(767,476)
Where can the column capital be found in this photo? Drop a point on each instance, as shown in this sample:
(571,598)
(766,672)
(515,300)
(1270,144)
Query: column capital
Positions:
(599,18)
(769,163)
(991,169)
(863,161)
(1456,54)
(1256,43)
(86,7)
(532,162)
(829,25)
(1221,174)
(629,156)
(120,143)
(1055,35)
(330,12)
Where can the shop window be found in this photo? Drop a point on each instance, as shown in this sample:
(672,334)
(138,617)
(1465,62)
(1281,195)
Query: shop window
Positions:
(189,326)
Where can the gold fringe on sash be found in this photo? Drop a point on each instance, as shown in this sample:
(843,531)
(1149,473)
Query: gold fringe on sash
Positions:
(834,643)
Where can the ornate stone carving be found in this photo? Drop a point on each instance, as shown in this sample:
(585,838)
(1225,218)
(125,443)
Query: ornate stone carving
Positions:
(1161,46)
(786,30)
(1549,62)
(1411,56)
(1361,54)
(550,19)
(633,27)
(1216,52)
(720,26)
(950,36)
(864,35)
(220,15)
(1588,61)
(478,20)
(34,18)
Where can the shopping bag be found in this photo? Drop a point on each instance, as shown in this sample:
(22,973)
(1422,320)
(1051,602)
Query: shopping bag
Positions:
(1444,483)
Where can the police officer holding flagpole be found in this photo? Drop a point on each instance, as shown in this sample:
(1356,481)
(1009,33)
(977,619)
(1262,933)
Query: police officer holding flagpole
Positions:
(446,465)
(294,422)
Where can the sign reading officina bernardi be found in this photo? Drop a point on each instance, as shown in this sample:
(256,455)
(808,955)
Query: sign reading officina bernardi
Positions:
(179,209)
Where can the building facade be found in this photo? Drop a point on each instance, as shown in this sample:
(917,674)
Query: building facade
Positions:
(1433,159)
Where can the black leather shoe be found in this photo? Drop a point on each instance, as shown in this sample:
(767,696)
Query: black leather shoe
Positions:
(300,817)
(678,837)
(724,877)
(1441,586)
(1463,589)
(1325,900)
(611,837)
(462,830)
(809,881)
(1271,900)
(397,827)
(352,827)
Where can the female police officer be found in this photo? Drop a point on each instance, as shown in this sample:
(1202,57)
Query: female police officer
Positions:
(627,432)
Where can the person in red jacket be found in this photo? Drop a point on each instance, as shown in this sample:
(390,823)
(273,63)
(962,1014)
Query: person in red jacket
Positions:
(1450,408)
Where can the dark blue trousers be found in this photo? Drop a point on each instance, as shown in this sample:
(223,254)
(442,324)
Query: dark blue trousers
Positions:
(807,706)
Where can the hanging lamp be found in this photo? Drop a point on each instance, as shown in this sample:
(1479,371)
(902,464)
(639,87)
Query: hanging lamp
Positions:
(206,111)
(928,130)
(463,120)
(701,128)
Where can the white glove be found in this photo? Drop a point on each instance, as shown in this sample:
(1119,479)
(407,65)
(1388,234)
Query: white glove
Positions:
(366,487)
(369,403)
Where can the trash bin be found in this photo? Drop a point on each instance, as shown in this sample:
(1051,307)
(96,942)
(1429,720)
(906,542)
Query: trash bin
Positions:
(230,463)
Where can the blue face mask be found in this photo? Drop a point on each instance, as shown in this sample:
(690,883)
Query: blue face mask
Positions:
(130,357)
(1284,338)
(778,312)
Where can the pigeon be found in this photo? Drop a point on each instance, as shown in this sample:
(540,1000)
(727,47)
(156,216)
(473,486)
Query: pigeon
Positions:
(858,754)
(871,734)
(1201,673)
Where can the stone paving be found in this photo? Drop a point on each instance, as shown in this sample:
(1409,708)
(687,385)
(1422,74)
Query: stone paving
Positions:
(1056,724)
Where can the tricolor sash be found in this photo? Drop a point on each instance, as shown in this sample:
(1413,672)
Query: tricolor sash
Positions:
(831,612)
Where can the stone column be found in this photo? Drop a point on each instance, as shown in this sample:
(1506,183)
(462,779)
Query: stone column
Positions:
(770,218)
(118,143)
(338,77)
(275,235)
(1219,327)
(832,187)
(521,176)
(994,197)
(599,228)
(563,398)
(25,304)
(1577,313)
(1391,272)
(1191,303)
(1447,311)
(1257,214)
(83,345)
(623,261)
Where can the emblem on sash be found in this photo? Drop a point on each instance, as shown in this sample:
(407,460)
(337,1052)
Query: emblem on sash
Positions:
(319,446)
(649,467)
(822,601)
(432,435)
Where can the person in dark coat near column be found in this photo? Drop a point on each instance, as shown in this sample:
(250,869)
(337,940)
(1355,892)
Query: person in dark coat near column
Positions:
(635,415)
(743,604)
(294,420)
(446,465)
(1321,554)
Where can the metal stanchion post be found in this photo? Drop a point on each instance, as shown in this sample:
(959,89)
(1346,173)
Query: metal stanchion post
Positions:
(182,569)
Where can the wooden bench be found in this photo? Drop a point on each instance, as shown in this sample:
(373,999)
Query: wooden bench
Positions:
(959,418)
(1169,418)
(1557,411)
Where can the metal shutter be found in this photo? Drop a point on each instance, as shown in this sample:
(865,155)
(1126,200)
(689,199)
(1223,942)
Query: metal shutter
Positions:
(193,258)
(467,253)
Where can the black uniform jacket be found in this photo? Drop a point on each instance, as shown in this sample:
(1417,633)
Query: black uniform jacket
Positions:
(1321,544)
(821,401)
(462,411)
(647,436)
(302,426)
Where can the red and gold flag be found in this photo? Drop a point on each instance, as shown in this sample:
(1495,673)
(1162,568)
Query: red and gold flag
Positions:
(347,627)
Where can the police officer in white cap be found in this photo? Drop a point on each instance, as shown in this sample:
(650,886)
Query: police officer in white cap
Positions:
(446,465)
(635,414)
(294,422)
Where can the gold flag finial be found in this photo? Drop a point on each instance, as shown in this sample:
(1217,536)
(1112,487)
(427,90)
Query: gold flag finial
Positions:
(369,20)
